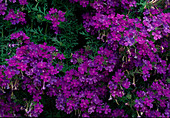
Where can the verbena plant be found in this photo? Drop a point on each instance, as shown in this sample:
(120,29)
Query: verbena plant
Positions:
(84,58)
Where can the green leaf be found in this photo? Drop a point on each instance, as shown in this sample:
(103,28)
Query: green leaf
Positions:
(34,9)
(168,80)
(129,96)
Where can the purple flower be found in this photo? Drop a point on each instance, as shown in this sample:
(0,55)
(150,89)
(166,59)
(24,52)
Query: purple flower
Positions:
(91,109)
(93,71)
(107,109)
(84,3)
(129,41)
(45,77)
(12,62)
(52,11)
(88,94)
(3,8)
(148,102)
(157,35)
(139,103)
(140,40)
(85,115)
(126,83)
(31,89)
(82,69)
(38,108)
(70,104)
(15,18)
(23,2)
(36,98)
(22,66)
(56,17)
(112,85)
(96,100)
(84,103)
(67,78)
(9,73)
(13,1)
(53,71)
(41,65)
(1,76)
(116,79)
(99,109)
(75,83)
(60,56)
(140,93)
(167,112)
(118,112)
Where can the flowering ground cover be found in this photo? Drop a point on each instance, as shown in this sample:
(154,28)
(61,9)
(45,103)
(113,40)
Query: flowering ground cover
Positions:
(84,58)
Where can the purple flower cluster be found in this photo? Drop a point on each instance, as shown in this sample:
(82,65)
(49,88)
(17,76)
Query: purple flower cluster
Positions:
(8,107)
(157,95)
(84,89)
(130,59)
(56,16)
(120,28)
(21,37)
(116,84)
(107,6)
(3,8)
(157,22)
(34,65)
(13,1)
(15,18)
(21,2)
(95,72)
(152,60)
(83,3)
(133,37)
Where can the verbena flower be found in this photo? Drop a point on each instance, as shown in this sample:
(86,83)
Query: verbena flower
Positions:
(15,18)
(55,16)
(3,8)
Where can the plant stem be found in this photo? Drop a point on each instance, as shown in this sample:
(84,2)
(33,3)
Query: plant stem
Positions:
(46,28)
(2,32)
